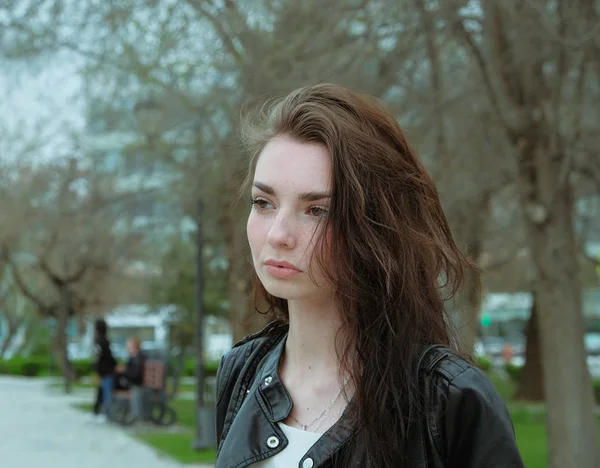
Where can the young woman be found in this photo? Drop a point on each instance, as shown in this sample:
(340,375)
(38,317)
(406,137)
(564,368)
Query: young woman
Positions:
(354,263)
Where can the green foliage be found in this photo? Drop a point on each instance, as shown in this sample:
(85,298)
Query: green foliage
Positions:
(24,366)
(514,372)
(41,341)
(33,366)
(83,367)
(189,369)
(484,363)
(177,286)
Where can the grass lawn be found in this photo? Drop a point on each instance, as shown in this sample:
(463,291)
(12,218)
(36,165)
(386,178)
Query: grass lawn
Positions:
(178,446)
(187,388)
(531,438)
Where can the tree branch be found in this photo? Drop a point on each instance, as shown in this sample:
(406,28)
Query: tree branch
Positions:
(509,121)
(27,292)
(559,37)
(435,74)
(55,279)
(217,23)
(75,277)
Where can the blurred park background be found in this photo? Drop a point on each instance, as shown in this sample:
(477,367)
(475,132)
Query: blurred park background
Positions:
(120,163)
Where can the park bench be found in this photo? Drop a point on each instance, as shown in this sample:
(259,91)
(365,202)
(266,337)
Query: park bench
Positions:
(162,373)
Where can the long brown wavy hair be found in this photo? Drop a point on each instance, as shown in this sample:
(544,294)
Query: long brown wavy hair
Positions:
(391,256)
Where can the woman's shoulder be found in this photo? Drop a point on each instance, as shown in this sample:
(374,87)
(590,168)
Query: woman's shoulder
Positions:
(456,371)
(469,416)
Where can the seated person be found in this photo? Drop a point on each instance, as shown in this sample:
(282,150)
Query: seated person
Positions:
(134,370)
(131,376)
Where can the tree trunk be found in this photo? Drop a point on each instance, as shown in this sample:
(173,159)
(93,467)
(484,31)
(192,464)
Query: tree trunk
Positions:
(59,348)
(11,332)
(531,384)
(547,203)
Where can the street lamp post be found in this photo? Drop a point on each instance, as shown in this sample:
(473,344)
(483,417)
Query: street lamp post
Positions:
(150,118)
(66,314)
(205,416)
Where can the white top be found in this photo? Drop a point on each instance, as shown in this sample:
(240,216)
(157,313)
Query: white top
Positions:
(299,442)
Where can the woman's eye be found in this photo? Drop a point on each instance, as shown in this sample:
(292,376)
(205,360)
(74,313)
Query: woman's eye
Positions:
(260,204)
(318,211)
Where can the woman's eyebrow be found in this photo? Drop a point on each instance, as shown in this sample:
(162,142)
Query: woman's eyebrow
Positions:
(314,196)
(306,196)
(264,187)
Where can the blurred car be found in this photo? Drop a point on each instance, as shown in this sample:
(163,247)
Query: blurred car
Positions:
(492,345)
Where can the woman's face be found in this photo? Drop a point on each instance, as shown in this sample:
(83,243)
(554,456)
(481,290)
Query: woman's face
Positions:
(291,194)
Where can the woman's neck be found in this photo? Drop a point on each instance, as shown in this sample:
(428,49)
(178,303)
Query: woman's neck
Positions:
(310,349)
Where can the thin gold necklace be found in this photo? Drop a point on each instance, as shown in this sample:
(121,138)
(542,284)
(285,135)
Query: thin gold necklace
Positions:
(325,411)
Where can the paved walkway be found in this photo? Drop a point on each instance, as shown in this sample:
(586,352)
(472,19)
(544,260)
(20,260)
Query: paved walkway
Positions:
(40,428)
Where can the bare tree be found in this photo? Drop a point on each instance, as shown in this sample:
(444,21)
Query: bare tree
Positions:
(73,260)
(533,77)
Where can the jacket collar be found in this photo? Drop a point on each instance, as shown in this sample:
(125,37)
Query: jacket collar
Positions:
(279,405)
(270,385)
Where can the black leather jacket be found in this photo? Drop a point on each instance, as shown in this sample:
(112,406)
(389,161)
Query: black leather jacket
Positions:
(467,426)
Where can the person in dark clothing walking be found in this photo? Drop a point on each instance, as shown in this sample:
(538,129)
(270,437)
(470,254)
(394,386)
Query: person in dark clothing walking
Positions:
(105,363)
(98,402)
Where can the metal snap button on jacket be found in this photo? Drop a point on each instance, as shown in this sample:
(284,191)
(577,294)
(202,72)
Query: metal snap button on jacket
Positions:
(273,442)
(307,463)
(268,380)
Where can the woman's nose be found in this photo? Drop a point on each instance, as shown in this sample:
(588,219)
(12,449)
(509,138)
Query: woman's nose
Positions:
(282,233)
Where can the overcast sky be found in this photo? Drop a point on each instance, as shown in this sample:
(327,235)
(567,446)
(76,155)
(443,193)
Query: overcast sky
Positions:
(40,98)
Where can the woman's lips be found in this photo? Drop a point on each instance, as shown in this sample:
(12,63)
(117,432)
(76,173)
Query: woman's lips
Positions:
(281,269)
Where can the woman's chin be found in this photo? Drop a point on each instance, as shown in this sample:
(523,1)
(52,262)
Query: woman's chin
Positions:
(282,291)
